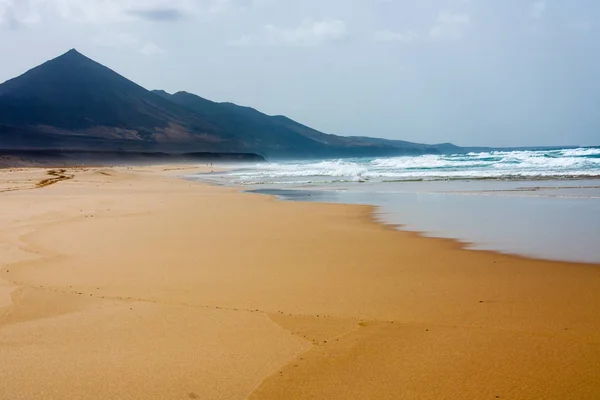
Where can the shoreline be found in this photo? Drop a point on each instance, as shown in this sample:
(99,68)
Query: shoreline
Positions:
(376,218)
(474,219)
(459,244)
(289,311)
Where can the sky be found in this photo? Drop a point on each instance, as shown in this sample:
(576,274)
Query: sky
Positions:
(470,72)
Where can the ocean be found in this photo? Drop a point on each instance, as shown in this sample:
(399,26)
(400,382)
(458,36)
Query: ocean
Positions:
(537,203)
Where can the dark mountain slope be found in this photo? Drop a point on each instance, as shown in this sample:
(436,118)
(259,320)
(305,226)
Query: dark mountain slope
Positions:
(75,95)
(279,135)
(255,130)
(75,103)
(425,148)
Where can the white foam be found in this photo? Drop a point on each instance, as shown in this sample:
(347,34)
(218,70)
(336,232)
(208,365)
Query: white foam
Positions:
(494,165)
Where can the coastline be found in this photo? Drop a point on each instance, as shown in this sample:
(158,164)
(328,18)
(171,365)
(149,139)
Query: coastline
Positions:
(378,217)
(509,221)
(143,263)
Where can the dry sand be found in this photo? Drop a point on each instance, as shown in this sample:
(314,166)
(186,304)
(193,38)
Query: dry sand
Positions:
(123,283)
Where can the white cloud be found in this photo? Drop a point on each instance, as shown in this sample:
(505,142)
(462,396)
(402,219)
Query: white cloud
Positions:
(8,14)
(222,6)
(538,9)
(450,26)
(4,7)
(391,36)
(309,32)
(107,11)
(127,40)
(20,12)
(115,39)
(122,10)
(151,49)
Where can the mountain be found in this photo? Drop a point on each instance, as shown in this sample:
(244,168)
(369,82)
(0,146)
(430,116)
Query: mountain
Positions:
(75,103)
(279,135)
(446,148)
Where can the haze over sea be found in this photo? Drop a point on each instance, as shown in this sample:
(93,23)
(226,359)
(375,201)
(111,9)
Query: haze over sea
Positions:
(539,203)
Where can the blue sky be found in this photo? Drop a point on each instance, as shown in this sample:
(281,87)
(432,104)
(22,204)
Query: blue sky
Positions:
(472,72)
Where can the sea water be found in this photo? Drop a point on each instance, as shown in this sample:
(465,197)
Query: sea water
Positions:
(538,203)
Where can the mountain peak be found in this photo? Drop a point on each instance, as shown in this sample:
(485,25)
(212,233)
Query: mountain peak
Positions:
(72,56)
(75,102)
(75,92)
(69,72)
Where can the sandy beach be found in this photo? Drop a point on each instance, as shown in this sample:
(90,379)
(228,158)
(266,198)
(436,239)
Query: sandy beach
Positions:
(130,283)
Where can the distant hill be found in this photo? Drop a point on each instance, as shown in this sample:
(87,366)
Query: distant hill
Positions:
(446,148)
(60,158)
(75,103)
(281,136)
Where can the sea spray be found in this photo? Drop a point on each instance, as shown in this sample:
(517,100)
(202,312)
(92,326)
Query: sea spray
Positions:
(500,165)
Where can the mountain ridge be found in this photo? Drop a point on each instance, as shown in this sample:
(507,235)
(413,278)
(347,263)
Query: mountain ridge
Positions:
(73,102)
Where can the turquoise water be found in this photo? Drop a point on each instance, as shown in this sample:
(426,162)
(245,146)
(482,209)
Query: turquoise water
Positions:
(543,204)
(495,165)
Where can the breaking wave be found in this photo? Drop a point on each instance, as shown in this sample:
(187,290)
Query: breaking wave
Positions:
(541,164)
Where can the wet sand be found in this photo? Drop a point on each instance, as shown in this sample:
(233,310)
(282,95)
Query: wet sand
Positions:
(131,284)
(511,217)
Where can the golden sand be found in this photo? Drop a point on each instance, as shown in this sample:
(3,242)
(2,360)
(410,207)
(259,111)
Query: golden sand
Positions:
(121,283)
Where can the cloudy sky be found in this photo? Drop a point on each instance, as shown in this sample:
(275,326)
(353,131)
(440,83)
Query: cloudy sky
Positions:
(473,72)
